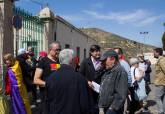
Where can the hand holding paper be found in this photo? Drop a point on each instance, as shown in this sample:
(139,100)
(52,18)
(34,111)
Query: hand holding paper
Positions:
(96,87)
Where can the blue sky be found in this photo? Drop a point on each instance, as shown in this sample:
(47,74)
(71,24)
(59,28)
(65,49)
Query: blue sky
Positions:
(126,18)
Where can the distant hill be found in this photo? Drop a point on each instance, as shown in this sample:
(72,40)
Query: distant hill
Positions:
(109,40)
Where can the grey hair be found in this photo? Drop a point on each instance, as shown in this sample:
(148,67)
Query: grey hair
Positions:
(55,42)
(65,56)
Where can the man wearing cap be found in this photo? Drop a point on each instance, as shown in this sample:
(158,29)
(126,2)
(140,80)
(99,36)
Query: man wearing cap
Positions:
(114,85)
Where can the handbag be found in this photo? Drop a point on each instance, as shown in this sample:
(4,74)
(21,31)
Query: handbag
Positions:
(148,89)
(140,93)
(135,84)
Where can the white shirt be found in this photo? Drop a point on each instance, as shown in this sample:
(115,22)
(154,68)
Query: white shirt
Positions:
(137,73)
(143,66)
(96,63)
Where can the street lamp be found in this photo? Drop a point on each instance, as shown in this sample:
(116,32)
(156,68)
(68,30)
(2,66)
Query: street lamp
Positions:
(145,33)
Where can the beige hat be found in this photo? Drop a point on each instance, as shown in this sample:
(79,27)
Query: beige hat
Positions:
(133,61)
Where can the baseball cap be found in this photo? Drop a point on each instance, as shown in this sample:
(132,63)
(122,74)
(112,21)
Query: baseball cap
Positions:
(109,53)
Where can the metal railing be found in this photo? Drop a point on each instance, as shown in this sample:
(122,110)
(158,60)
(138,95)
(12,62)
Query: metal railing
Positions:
(32,31)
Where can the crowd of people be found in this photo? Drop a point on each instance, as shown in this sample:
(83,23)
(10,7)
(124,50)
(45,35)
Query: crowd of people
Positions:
(105,83)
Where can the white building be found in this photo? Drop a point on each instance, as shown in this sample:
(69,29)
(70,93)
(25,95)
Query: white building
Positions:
(68,35)
(49,28)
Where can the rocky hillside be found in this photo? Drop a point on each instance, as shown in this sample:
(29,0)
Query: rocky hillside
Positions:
(109,40)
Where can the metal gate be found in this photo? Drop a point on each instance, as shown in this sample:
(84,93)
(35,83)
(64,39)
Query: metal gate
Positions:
(31,33)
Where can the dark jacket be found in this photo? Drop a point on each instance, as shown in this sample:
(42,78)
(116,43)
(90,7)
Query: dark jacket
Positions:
(87,69)
(66,92)
(26,71)
(114,88)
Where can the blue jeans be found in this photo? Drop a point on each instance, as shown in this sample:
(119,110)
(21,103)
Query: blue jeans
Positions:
(160,98)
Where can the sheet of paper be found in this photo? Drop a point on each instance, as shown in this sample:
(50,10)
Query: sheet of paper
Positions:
(129,96)
(96,87)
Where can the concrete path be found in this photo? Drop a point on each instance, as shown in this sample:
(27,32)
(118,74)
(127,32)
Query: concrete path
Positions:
(151,97)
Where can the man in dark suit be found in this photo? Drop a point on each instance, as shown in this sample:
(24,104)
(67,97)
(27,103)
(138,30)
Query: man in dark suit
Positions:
(89,67)
(66,89)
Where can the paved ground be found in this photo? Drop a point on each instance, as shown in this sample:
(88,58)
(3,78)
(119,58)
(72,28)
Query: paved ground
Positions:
(151,101)
(151,97)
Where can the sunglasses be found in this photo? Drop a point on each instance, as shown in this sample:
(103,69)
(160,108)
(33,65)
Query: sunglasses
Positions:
(56,50)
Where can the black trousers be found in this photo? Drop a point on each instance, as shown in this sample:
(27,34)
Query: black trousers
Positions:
(43,107)
(133,105)
(114,112)
(93,102)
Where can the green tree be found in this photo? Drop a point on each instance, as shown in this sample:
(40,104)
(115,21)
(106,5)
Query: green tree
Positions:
(163,37)
(163,41)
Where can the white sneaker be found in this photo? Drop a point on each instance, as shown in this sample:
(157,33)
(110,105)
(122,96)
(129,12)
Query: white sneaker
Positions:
(38,100)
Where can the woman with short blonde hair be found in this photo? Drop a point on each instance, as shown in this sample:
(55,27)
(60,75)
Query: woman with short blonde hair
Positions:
(15,86)
(9,57)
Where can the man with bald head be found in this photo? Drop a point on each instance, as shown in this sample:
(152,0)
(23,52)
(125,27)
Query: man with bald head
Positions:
(45,67)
